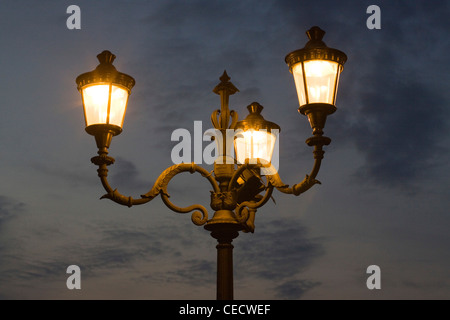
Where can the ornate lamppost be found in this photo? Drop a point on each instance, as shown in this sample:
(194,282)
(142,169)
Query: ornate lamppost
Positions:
(238,184)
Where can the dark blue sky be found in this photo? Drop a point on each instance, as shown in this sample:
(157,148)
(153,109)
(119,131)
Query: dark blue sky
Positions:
(384,197)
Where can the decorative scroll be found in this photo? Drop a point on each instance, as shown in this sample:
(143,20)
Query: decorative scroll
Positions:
(160,187)
(234,119)
(226,197)
(296,189)
(246,211)
(199,217)
(216,119)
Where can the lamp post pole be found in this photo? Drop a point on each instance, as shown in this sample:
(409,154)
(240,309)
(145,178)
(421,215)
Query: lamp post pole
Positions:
(224,226)
(239,184)
(224,261)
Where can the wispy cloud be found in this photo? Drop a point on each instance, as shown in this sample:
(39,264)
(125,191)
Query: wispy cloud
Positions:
(9,208)
(294,289)
(196,272)
(125,175)
(392,116)
(278,252)
(395,103)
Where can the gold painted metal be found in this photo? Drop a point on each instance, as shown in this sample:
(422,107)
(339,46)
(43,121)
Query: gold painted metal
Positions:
(237,190)
(105,74)
(315,49)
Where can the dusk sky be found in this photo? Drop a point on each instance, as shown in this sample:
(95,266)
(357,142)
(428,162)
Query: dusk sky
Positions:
(385,193)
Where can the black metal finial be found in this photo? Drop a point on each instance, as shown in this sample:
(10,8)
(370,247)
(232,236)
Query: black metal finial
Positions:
(225,85)
(224,77)
(315,33)
(106,57)
(255,107)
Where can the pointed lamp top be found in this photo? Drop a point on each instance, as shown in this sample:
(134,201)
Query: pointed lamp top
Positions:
(315,35)
(106,57)
(224,77)
(225,85)
(255,108)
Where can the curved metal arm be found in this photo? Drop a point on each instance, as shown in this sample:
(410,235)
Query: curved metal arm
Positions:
(307,183)
(199,217)
(160,187)
(113,194)
(164,178)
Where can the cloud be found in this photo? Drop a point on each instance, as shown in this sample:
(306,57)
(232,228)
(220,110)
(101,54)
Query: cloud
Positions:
(9,208)
(397,136)
(114,253)
(195,42)
(46,269)
(278,251)
(396,124)
(283,249)
(294,289)
(69,175)
(124,248)
(394,103)
(125,175)
(196,272)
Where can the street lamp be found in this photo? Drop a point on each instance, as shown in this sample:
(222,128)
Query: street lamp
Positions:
(255,137)
(104,93)
(241,184)
(316,69)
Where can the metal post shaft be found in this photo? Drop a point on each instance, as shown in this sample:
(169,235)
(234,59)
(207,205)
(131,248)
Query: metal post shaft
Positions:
(224,270)
(224,233)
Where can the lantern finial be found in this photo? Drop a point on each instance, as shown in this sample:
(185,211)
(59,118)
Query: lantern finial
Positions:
(255,108)
(315,33)
(106,57)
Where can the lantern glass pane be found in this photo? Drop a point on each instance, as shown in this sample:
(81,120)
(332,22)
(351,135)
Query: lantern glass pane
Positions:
(299,84)
(320,79)
(96,100)
(254,144)
(119,99)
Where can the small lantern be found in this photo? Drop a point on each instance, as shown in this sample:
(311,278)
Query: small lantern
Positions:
(255,137)
(316,69)
(104,93)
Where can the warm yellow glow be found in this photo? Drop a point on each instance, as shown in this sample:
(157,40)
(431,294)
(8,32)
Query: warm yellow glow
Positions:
(96,100)
(119,98)
(252,144)
(320,80)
